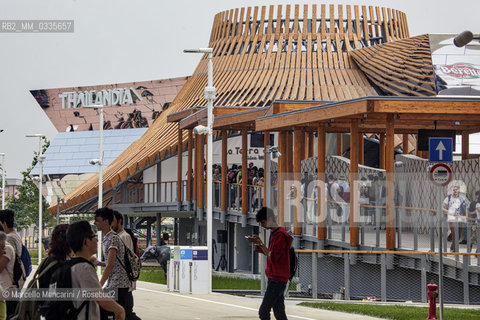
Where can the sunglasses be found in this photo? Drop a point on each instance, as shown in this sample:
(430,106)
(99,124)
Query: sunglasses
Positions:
(92,236)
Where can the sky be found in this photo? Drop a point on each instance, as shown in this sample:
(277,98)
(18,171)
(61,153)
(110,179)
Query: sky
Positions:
(117,41)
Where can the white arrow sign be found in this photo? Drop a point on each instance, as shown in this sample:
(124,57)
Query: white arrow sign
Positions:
(440,148)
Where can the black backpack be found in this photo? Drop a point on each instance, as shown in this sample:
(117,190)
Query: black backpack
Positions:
(293,263)
(19,274)
(63,309)
(131,263)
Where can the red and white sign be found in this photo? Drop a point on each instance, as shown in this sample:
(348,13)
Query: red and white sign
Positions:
(460,70)
(441,174)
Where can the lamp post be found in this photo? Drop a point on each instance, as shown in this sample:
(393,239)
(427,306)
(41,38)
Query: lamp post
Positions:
(40,158)
(99,162)
(3,179)
(210,93)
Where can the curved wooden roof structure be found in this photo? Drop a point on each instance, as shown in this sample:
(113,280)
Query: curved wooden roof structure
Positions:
(263,54)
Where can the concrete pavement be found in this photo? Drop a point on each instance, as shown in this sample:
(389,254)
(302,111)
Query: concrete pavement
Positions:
(153,301)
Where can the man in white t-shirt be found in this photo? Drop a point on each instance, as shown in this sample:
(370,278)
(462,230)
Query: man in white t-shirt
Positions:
(454,206)
(7,260)
(7,219)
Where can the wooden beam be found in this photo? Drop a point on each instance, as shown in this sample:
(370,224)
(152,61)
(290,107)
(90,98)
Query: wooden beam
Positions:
(390,182)
(286,106)
(465,145)
(310,145)
(289,153)
(354,208)
(201,172)
(427,106)
(381,151)
(361,152)
(195,165)
(339,144)
(189,165)
(244,172)
(177,116)
(266,142)
(299,153)
(240,118)
(322,207)
(311,115)
(192,120)
(179,165)
(282,147)
(223,204)
(288,174)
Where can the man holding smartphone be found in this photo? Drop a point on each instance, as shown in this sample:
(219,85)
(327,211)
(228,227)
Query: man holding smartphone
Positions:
(278,264)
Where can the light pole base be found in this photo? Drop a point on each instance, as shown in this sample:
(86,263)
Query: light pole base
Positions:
(222,216)
(244,220)
(200,214)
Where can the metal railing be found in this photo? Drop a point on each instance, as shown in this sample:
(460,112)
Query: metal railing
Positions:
(383,276)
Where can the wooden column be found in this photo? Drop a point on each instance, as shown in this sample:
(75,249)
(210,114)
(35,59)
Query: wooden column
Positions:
(354,214)
(266,142)
(282,165)
(340,144)
(179,166)
(465,145)
(322,206)
(223,204)
(310,145)
(381,151)
(200,177)
(299,152)
(189,165)
(405,144)
(390,189)
(244,172)
(288,176)
(289,162)
(195,168)
(361,151)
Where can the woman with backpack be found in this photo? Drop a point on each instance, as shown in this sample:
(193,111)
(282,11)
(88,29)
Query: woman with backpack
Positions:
(58,252)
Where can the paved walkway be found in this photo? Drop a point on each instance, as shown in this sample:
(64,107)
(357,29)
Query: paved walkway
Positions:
(153,301)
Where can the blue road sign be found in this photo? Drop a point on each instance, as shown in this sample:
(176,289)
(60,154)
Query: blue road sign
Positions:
(440,149)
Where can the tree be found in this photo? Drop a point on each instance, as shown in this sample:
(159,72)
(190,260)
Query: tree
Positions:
(25,205)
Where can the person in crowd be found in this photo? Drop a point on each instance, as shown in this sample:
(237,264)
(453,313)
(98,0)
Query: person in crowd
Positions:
(117,226)
(83,242)
(7,219)
(7,260)
(454,206)
(58,251)
(473,215)
(114,275)
(278,264)
(217,174)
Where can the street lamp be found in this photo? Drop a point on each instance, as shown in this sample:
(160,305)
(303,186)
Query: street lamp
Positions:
(99,162)
(40,158)
(210,93)
(3,179)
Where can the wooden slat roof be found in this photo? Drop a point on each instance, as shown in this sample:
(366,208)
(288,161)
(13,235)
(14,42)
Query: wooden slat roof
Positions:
(399,68)
(260,55)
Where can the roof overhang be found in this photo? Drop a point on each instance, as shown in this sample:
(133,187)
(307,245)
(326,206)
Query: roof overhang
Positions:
(411,114)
